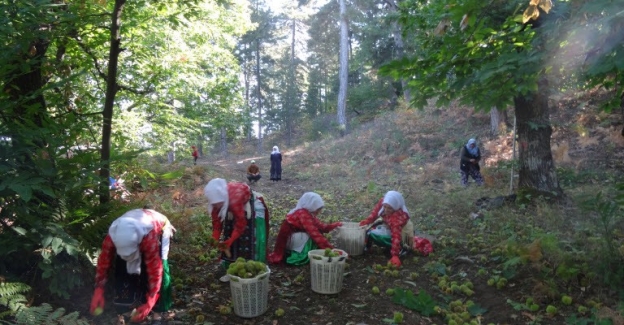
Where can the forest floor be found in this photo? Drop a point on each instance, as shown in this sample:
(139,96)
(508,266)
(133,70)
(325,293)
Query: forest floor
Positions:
(415,153)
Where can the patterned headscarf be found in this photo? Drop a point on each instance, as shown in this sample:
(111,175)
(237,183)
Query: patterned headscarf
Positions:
(216,192)
(395,200)
(473,151)
(309,201)
(275,149)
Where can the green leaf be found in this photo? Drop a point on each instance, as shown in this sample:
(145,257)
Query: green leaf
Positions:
(476,310)
(25,192)
(359,305)
(423,303)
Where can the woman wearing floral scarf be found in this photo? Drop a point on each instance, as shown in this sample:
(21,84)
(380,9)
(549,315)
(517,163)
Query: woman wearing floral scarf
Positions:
(391,226)
(469,163)
(302,232)
(240,224)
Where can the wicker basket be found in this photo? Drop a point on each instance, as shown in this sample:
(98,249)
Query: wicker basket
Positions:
(250,296)
(351,238)
(326,273)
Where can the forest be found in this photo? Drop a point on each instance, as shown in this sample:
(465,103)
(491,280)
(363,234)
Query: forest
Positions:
(362,96)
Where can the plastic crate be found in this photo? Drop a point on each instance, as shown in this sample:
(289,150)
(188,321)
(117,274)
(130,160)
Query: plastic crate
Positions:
(352,238)
(326,273)
(250,297)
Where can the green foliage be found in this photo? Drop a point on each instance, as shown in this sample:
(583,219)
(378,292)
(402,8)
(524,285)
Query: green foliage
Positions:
(45,315)
(607,214)
(593,320)
(422,303)
(11,296)
(494,49)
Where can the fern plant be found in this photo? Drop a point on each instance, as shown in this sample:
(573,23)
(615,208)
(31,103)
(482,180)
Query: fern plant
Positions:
(12,297)
(45,315)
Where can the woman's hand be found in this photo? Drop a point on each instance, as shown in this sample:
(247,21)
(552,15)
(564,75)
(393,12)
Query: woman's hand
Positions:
(336,225)
(97,302)
(396,261)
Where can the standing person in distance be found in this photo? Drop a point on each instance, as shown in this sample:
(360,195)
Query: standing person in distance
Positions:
(276,164)
(137,248)
(195,155)
(469,163)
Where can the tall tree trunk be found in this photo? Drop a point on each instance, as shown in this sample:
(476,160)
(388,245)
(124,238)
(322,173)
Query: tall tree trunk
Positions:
(290,116)
(224,142)
(171,153)
(199,145)
(494,120)
(109,101)
(537,169)
(248,125)
(259,96)
(400,46)
(344,68)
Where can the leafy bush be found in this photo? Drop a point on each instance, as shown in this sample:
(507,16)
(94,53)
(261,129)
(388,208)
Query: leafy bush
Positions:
(607,214)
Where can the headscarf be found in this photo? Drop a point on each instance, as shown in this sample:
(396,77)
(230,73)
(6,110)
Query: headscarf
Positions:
(395,200)
(309,201)
(275,150)
(127,232)
(216,192)
(473,151)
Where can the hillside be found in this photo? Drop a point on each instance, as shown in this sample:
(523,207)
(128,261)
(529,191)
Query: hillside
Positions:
(540,250)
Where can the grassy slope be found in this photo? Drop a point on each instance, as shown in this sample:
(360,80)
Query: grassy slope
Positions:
(544,250)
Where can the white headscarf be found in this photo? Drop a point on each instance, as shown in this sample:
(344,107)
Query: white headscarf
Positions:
(216,192)
(275,150)
(473,151)
(309,201)
(127,232)
(395,200)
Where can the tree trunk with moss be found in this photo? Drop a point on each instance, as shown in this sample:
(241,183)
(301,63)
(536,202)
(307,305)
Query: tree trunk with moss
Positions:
(537,173)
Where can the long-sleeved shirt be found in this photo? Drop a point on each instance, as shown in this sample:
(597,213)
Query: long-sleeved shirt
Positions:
(150,249)
(253,169)
(465,156)
(238,196)
(301,220)
(396,221)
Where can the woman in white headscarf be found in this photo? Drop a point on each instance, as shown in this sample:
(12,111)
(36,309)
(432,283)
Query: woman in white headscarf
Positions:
(237,225)
(138,245)
(394,229)
(469,163)
(276,164)
(301,232)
